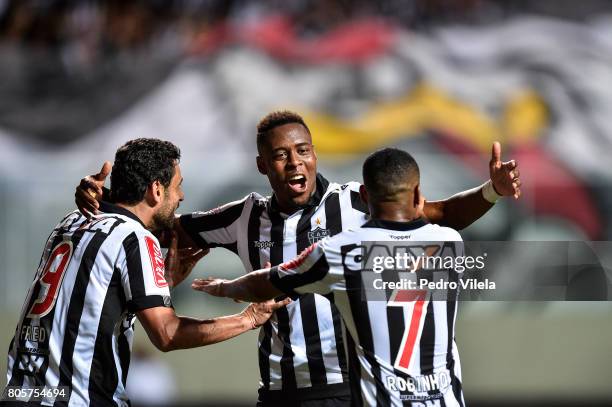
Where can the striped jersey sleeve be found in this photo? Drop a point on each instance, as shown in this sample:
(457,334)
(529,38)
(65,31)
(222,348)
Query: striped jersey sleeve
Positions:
(141,264)
(216,227)
(310,272)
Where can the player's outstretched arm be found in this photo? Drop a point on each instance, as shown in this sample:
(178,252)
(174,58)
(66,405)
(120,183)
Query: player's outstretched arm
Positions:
(464,208)
(168,332)
(255,286)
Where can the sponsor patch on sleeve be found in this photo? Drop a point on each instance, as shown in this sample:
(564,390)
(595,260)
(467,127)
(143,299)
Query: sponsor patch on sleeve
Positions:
(157,262)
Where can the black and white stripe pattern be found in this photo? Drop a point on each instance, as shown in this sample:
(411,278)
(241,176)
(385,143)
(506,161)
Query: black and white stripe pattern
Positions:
(84,335)
(301,349)
(380,329)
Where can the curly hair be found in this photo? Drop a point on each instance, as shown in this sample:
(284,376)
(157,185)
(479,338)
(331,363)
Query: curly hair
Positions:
(274,119)
(139,163)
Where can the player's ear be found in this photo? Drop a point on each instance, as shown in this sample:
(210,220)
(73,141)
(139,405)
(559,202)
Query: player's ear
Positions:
(155,193)
(363,194)
(416,195)
(261,165)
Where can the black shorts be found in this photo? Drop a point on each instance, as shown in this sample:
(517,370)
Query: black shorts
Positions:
(330,395)
(340,401)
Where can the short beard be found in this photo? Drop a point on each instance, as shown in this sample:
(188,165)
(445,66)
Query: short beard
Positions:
(163,219)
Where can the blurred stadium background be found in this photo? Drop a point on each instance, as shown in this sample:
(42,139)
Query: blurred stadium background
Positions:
(441,78)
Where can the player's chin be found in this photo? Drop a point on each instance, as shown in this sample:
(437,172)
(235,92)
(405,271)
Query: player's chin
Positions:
(301,199)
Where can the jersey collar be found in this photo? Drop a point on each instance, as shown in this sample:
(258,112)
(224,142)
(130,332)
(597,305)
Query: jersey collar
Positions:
(315,198)
(392,225)
(108,207)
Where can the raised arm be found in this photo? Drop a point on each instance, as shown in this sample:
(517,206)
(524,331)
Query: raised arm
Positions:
(91,190)
(464,208)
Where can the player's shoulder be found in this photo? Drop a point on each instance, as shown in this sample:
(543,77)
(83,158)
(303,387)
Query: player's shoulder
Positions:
(334,248)
(350,198)
(135,238)
(336,242)
(432,231)
(347,187)
(119,226)
(71,218)
(141,232)
(258,199)
(233,208)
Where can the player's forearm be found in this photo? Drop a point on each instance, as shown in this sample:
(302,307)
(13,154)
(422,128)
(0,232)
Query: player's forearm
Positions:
(190,332)
(253,287)
(460,210)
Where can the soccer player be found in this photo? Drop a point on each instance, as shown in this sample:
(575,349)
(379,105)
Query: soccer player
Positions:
(403,350)
(301,357)
(97,275)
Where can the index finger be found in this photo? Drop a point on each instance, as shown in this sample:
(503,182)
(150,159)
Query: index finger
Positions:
(496,152)
(276,305)
(104,171)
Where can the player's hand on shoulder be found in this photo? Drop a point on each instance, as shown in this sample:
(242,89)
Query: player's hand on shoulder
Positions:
(505,176)
(179,263)
(89,191)
(259,313)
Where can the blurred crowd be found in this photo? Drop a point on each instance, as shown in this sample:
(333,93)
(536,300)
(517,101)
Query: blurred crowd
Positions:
(86,30)
(70,65)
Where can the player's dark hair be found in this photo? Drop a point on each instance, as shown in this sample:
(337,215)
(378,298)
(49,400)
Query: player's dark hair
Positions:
(273,120)
(389,172)
(138,163)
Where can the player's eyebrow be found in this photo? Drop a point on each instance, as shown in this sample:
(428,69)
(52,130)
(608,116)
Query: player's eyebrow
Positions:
(305,143)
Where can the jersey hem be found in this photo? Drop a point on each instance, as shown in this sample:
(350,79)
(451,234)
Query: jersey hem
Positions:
(305,393)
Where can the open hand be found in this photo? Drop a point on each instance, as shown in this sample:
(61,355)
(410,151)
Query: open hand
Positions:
(210,285)
(259,313)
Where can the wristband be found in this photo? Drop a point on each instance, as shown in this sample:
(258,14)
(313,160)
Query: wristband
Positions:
(489,193)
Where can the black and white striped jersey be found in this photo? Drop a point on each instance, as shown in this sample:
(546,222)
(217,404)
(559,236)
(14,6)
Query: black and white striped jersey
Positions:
(301,349)
(76,325)
(402,348)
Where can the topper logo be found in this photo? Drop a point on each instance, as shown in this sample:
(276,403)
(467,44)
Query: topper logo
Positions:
(157,262)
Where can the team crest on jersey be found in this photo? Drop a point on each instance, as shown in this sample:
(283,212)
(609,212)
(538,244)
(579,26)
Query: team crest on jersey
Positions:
(157,263)
(317,234)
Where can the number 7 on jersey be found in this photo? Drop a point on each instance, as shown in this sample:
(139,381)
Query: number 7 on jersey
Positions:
(414,303)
